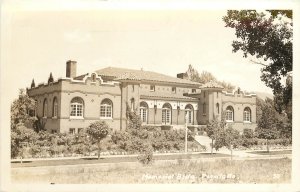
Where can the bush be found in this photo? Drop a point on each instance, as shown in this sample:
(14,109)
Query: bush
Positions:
(146,155)
(248,133)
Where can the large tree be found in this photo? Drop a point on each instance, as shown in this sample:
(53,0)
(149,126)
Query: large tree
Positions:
(266,36)
(268,125)
(205,77)
(22,110)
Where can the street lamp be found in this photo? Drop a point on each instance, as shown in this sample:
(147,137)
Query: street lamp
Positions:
(186,131)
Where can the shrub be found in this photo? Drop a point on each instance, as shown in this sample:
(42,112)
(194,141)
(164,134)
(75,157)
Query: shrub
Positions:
(248,133)
(146,155)
(98,131)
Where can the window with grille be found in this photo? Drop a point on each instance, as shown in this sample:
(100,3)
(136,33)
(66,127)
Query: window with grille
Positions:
(189,113)
(76,108)
(166,114)
(229,114)
(144,112)
(72,130)
(247,114)
(55,107)
(106,109)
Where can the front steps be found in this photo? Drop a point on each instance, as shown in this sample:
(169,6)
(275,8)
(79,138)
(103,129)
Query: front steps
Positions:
(205,141)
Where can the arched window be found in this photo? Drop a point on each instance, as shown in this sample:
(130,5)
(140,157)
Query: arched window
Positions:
(106,109)
(218,108)
(166,114)
(189,112)
(204,108)
(247,114)
(55,108)
(45,108)
(229,114)
(77,107)
(144,112)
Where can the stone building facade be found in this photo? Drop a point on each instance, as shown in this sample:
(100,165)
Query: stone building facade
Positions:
(70,104)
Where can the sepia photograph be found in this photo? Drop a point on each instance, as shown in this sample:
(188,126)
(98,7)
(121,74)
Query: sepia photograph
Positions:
(148,96)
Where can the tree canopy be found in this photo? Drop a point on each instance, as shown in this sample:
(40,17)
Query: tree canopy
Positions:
(98,131)
(22,110)
(205,77)
(268,37)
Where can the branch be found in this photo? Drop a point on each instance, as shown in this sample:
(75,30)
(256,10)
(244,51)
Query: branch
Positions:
(259,63)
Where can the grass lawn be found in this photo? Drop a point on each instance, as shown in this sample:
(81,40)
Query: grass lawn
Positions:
(180,171)
(283,152)
(83,160)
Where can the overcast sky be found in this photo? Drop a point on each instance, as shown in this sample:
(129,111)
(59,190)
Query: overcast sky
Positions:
(40,39)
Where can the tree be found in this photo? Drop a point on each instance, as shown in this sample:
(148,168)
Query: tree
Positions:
(98,131)
(232,138)
(22,110)
(20,135)
(50,79)
(215,131)
(39,124)
(268,36)
(206,77)
(267,126)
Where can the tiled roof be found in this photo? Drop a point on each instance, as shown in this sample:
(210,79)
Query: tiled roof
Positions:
(165,95)
(80,77)
(212,84)
(130,74)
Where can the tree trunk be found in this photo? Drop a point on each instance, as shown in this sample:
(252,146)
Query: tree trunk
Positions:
(231,152)
(212,145)
(99,150)
(268,150)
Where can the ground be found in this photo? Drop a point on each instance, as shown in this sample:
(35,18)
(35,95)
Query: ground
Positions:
(171,168)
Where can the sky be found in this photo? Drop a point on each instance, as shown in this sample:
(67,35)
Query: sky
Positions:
(40,39)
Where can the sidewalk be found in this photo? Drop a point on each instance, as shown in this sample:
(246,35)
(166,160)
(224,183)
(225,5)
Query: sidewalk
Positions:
(103,156)
(235,153)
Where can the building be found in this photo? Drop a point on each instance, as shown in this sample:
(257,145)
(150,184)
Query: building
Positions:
(72,103)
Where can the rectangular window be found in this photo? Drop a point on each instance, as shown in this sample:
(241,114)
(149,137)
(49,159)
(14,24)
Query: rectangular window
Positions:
(45,110)
(246,116)
(143,115)
(31,112)
(105,111)
(72,130)
(229,116)
(108,111)
(173,89)
(189,116)
(193,90)
(102,111)
(79,130)
(76,110)
(166,116)
(55,109)
(152,87)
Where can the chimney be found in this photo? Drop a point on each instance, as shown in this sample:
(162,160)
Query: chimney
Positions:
(182,76)
(71,69)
